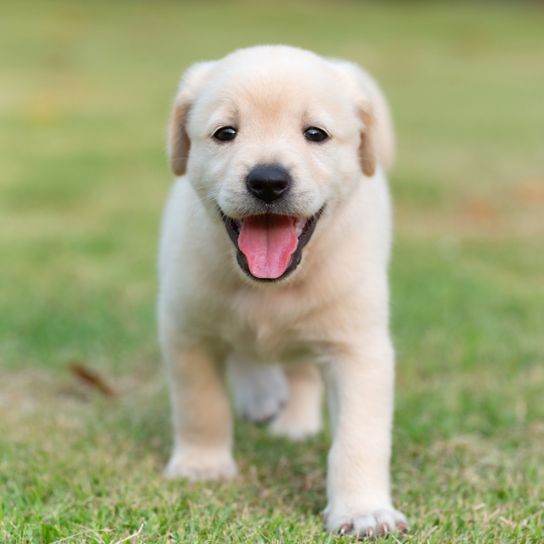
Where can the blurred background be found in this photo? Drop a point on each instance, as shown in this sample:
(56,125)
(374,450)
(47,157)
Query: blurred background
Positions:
(85,93)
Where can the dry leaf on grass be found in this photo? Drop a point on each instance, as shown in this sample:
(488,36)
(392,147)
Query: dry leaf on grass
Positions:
(92,378)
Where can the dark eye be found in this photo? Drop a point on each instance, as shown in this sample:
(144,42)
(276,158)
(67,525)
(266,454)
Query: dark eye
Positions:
(314,134)
(225,134)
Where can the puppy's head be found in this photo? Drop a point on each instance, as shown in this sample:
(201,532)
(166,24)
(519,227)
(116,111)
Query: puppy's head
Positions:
(271,137)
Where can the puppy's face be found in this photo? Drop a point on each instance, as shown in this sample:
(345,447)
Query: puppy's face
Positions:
(274,139)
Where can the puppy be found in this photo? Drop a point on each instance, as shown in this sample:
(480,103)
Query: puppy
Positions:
(273,261)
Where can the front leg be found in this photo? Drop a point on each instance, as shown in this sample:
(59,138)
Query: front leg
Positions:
(201,416)
(361,383)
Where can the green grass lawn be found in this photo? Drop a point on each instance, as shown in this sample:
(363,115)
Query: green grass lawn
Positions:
(85,90)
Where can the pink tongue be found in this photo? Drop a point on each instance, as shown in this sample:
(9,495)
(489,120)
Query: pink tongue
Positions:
(268,241)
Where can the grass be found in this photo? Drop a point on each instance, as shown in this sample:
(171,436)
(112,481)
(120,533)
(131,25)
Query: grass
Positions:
(85,89)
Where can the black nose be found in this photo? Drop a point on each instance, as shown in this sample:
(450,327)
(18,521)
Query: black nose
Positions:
(268,182)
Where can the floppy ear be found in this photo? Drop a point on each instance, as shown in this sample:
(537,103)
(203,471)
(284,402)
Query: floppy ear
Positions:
(367,148)
(178,140)
(378,136)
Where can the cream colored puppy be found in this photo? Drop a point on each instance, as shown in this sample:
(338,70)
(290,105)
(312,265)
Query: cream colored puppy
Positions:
(273,260)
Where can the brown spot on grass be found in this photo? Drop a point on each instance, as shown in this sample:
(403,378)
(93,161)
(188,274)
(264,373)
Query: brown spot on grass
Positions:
(479,211)
(532,191)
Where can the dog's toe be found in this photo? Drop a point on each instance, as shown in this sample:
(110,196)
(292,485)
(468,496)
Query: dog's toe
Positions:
(198,466)
(369,525)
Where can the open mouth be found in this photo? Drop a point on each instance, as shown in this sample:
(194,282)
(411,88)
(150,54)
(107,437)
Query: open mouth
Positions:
(269,246)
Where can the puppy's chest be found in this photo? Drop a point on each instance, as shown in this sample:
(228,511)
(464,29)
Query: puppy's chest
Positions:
(264,333)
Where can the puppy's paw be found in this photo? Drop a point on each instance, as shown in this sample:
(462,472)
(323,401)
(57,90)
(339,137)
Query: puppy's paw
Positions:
(296,425)
(260,391)
(367,524)
(197,465)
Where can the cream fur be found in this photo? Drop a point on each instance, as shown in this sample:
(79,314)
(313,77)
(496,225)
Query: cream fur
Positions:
(331,313)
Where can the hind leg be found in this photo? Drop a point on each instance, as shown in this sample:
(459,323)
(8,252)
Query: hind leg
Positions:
(260,391)
(301,416)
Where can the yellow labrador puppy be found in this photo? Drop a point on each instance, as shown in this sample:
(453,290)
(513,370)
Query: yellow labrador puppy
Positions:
(273,262)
